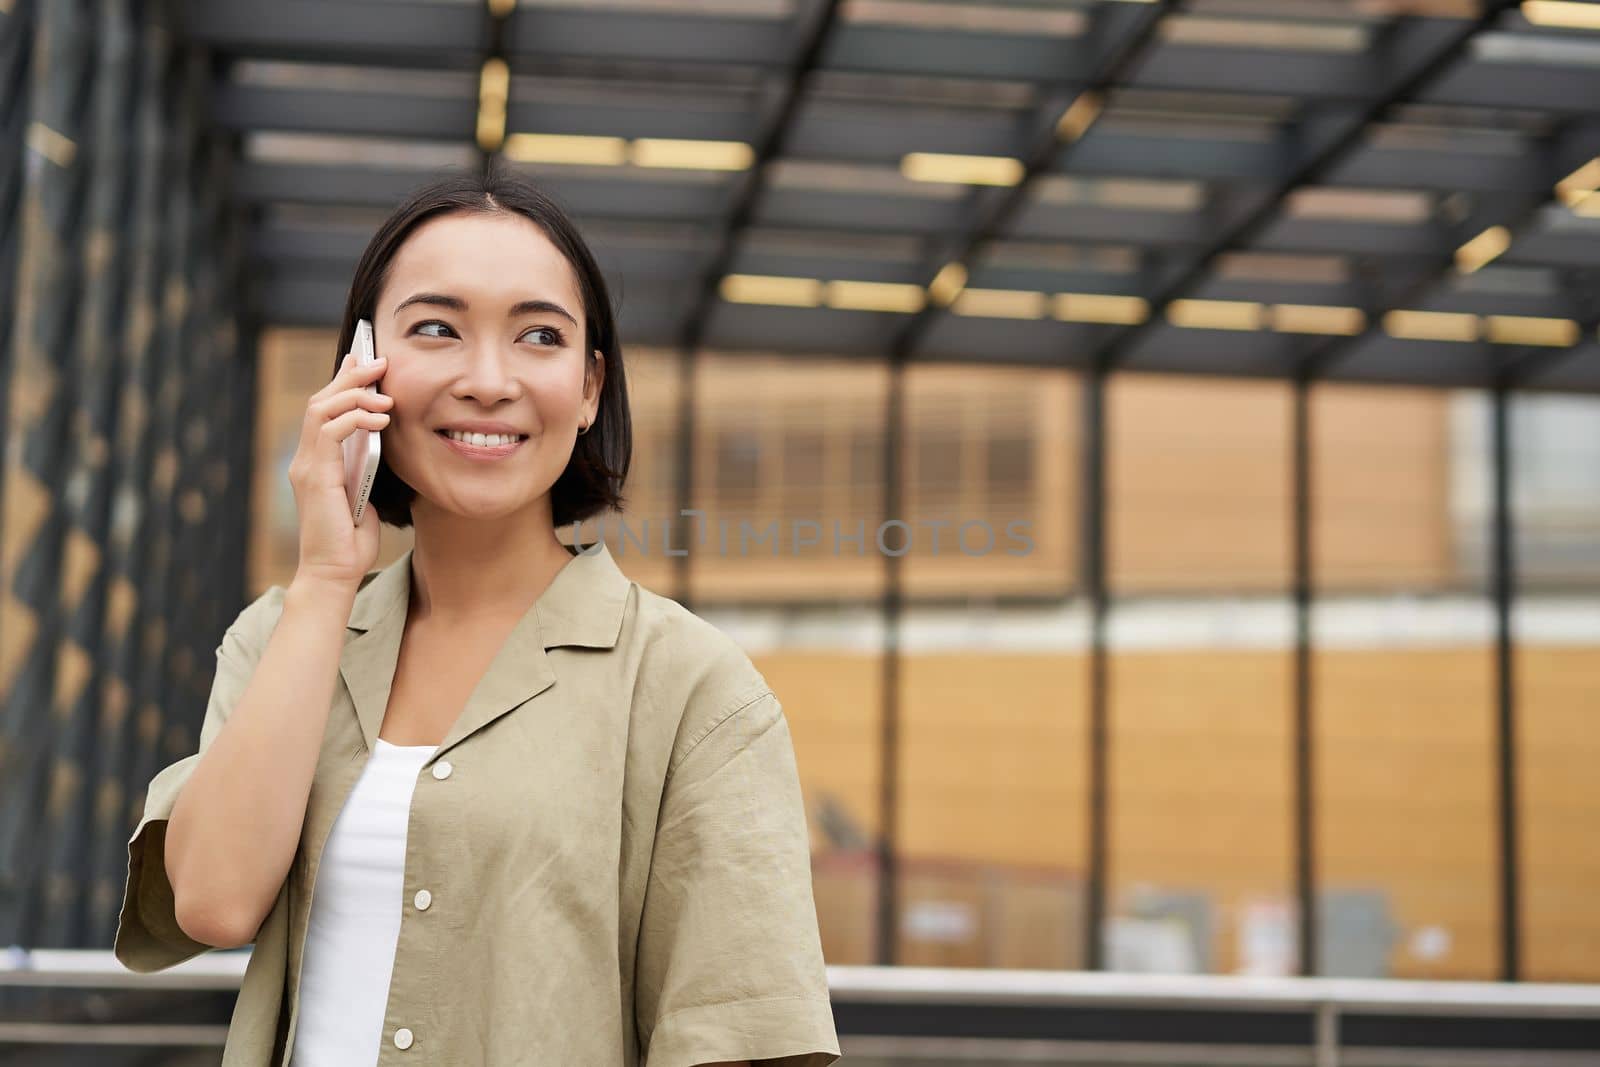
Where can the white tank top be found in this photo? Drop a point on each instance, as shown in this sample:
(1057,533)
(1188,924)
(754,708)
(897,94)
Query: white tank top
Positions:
(355,915)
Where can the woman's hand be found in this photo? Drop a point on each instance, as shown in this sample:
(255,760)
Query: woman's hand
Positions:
(333,549)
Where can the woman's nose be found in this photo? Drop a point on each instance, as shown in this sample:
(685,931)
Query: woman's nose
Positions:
(487,376)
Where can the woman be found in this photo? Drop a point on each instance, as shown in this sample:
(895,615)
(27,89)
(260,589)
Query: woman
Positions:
(494,804)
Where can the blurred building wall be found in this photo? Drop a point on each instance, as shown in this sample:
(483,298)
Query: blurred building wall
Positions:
(127,365)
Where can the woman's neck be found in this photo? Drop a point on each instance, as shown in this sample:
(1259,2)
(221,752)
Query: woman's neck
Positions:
(467,570)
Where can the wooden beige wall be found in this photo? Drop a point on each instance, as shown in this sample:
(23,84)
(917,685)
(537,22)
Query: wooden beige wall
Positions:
(1558,696)
(993,765)
(1199,486)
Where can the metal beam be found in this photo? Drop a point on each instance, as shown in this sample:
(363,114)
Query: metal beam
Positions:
(1094,462)
(728,40)
(410,33)
(1303,730)
(879,134)
(624,198)
(1513,213)
(1416,53)
(435,35)
(1503,590)
(817,22)
(423,116)
(1124,33)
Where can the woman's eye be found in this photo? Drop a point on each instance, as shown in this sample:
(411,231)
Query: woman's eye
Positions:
(547,335)
(419,327)
(544,335)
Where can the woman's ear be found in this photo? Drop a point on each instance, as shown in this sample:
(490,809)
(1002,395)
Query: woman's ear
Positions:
(594,376)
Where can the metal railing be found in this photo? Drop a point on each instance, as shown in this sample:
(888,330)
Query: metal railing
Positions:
(907,1015)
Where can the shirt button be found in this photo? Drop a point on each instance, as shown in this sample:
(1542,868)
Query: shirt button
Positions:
(441,770)
(402,1038)
(423,899)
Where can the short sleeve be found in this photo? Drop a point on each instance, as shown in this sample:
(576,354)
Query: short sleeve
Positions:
(148,937)
(730,960)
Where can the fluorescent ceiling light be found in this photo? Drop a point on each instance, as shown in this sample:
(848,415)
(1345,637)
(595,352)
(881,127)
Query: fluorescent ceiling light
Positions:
(874,296)
(1481,249)
(947,284)
(1000,303)
(494,82)
(1101,307)
(1531,330)
(771,289)
(616,151)
(1576,187)
(1079,116)
(1215,314)
(964,170)
(1318,318)
(565,148)
(1431,325)
(1588,207)
(1562,13)
(692,155)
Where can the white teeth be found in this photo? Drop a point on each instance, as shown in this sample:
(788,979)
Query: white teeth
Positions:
(491,440)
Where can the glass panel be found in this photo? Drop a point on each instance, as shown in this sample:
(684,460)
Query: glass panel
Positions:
(830,681)
(1382,485)
(991,478)
(791,448)
(786,442)
(1403,691)
(1556,505)
(1199,680)
(651,491)
(993,678)
(1198,482)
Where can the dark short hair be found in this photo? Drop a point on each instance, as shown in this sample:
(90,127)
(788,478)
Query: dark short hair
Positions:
(592,480)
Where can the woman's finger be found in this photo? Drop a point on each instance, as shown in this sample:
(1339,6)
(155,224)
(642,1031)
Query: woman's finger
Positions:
(328,407)
(355,419)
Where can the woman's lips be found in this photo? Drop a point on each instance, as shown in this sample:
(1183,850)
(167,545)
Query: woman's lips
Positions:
(480,451)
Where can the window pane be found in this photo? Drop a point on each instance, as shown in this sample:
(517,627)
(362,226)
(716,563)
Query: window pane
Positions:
(1382,482)
(993,677)
(792,447)
(796,441)
(1403,695)
(1199,679)
(737,470)
(1199,477)
(638,537)
(972,534)
(1556,505)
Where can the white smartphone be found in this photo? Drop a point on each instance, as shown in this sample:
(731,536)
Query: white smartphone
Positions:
(362,448)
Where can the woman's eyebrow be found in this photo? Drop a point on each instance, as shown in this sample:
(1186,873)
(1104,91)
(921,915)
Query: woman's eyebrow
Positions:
(455,303)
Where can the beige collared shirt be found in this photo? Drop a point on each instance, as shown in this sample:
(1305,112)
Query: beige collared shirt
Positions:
(611,838)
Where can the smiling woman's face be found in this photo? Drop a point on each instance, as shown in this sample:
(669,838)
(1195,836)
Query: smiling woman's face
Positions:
(481,323)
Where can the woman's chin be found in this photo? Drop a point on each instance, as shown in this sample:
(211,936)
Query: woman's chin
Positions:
(485,508)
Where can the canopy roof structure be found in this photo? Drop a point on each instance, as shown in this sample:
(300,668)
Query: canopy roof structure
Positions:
(1385,191)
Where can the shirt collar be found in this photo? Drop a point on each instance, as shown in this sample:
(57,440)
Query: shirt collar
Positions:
(582,606)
